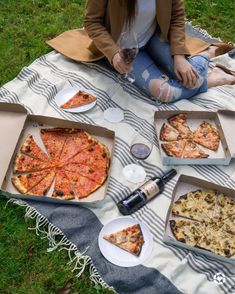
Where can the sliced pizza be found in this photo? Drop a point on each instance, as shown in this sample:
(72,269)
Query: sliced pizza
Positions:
(207,136)
(42,188)
(229,224)
(54,140)
(129,239)
(83,186)
(188,232)
(31,148)
(24,163)
(191,150)
(174,148)
(95,156)
(216,240)
(179,122)
(76,142)
(168,133)
(190,206)
(97,175)
(23,183)
(79,99)
(63,188)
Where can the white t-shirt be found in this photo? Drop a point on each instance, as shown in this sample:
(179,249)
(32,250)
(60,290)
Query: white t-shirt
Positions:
(145,22)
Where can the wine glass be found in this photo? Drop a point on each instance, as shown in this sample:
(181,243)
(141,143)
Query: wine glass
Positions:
(128,50)
(140,149)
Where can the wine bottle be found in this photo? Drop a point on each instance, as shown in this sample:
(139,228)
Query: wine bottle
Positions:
(144,193)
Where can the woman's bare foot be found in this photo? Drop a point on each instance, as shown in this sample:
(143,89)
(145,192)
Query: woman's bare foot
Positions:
(217,77)
(210,52)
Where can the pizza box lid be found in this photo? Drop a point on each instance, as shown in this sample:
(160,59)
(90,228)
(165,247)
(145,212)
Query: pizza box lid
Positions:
(227,121)
(184,185)
(12,120)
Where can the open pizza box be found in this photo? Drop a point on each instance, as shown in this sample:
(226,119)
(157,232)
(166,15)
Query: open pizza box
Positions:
(184,185)
(223,120)
(17,124)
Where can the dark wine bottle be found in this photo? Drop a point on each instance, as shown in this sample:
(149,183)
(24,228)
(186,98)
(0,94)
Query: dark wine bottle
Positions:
(144,193)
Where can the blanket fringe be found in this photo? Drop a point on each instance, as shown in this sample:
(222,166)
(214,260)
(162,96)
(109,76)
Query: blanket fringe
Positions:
(57,240)
(203,31)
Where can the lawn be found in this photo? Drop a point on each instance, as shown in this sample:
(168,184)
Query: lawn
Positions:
(25,265)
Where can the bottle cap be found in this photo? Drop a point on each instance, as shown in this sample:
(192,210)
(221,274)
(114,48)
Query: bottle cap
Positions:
(169,175)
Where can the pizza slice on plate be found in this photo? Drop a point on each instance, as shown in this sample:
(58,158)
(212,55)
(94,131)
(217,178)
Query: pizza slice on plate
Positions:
(31,148)
(168,133)
(25,182)
(179,122)
(129,239)
(79,99)
(207,136)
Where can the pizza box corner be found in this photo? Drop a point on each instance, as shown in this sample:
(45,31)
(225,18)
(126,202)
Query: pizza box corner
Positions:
(184,185)
(17,124)
(224,120)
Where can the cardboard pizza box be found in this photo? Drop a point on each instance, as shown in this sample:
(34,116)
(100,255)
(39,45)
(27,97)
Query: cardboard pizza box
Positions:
(223,120)
(17,124)
(184,185)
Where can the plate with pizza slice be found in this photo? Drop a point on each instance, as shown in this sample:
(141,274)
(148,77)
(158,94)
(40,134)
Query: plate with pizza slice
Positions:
(74,99)
(125,242)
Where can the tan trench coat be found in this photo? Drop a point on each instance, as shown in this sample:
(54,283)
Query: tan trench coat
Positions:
(103,24)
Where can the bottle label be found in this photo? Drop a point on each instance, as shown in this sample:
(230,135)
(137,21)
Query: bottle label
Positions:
(150,189)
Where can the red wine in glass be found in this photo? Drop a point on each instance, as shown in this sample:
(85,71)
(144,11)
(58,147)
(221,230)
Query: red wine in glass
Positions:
(140,151)
(128,54)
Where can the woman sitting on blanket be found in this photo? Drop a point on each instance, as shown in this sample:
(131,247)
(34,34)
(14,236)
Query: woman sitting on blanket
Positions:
(163,67)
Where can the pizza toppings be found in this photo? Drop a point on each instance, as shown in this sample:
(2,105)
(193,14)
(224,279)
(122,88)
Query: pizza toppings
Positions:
(73,179)
(182,141)
(79,99)
(207,136)
(210,224)
(31,148)
(129,239)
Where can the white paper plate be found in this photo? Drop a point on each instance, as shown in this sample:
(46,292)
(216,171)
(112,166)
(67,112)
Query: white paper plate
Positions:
(118,256)
(114,115)
(65,94)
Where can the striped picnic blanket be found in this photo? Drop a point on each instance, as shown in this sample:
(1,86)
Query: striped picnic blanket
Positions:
(169,269)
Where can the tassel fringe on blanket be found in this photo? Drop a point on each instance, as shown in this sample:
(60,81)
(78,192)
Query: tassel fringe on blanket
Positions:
(57,240)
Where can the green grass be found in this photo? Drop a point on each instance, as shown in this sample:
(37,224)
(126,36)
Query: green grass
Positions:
(24,27)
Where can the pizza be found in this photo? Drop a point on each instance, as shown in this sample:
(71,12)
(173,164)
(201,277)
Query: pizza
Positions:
(77,163)
(182,142)
(179,122)
(174,148)
(79,99)
(31,148)
(168,133)
(207,136)
(129,239)
(207,221)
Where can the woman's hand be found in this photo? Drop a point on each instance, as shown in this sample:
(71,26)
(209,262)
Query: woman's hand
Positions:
(120,65)
(185,72)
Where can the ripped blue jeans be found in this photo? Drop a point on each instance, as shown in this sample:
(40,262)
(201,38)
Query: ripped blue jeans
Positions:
(154,62)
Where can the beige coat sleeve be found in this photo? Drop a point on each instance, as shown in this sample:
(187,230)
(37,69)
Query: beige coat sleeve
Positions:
(94,23)
(177,29)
